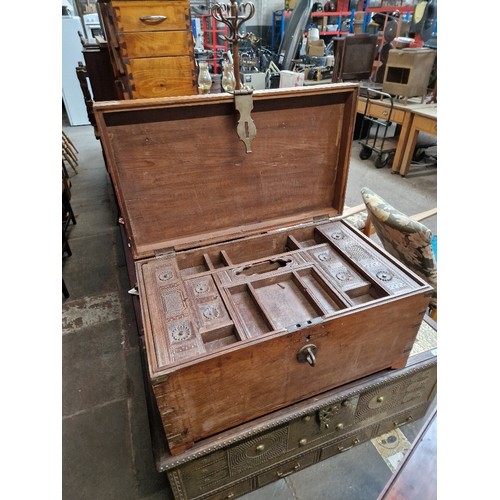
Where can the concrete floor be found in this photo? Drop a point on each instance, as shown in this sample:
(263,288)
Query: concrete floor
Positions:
(107,452)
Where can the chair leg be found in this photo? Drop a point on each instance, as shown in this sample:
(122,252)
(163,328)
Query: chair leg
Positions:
(65,245)
(65,289)
(368,229)
(69,141)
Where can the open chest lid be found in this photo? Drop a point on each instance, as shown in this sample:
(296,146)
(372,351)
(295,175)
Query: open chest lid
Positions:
(183,178)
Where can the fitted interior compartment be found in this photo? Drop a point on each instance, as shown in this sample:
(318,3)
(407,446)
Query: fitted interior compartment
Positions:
(329,299)
(366,293)
(222,255)
(286,303)
(253,319)
(219,337)
(307,239)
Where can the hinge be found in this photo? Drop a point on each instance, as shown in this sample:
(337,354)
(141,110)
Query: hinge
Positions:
(320,218)
(164,252)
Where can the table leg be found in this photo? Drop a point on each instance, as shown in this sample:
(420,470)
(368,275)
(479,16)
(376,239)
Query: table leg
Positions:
(402,139)
(409,150)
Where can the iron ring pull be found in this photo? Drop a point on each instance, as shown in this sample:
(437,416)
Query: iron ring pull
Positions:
(308,353)
(152,19)
(310,357)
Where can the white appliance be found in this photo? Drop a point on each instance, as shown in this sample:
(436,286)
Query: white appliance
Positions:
(92,25)
(72,94)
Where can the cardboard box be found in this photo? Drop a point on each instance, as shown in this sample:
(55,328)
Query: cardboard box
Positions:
(291,79)
(316,48)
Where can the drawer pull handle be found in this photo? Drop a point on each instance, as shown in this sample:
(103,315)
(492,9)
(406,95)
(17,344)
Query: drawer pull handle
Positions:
(152,19)
(405,421)
(284,474)
(354,443)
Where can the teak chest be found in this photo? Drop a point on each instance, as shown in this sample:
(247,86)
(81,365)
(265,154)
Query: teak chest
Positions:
(254,293)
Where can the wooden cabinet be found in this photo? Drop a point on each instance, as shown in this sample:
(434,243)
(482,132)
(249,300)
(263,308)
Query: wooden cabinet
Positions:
(408,71)
(151,47)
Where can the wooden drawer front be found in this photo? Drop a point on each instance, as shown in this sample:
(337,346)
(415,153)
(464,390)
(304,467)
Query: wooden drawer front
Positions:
(331,420)
(346,443)
(399,419)
(379,111)
(162,76)
(425,124)
(147,16)
(159,44)
(403,393)
(287,468)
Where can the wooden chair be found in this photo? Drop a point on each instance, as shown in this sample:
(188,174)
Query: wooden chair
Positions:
(68,216)
(404,237)
(69,153)
(354,57)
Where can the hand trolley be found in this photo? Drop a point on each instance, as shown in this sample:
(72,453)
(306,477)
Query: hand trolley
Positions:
(376,140)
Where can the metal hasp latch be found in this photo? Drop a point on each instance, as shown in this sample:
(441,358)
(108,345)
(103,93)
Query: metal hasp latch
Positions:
(233,16)
(307,353)
(246,127)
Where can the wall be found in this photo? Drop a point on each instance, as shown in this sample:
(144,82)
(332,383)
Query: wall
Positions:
(264,12)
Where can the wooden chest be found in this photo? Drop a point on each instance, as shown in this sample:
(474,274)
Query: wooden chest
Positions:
(254,294)
(151,46)
(252,455)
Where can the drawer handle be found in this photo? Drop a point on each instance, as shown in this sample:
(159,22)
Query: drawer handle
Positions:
(152,19)
(385,113)
(354,443)
(405,421)
(284,474)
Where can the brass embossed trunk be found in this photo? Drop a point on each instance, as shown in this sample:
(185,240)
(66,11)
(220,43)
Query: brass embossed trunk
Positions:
(272,447)
(254,294)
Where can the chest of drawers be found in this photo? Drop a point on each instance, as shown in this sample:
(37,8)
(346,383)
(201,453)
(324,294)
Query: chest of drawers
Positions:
(151,46)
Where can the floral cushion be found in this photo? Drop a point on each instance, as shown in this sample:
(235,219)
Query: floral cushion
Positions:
(357,220)
(409,241)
